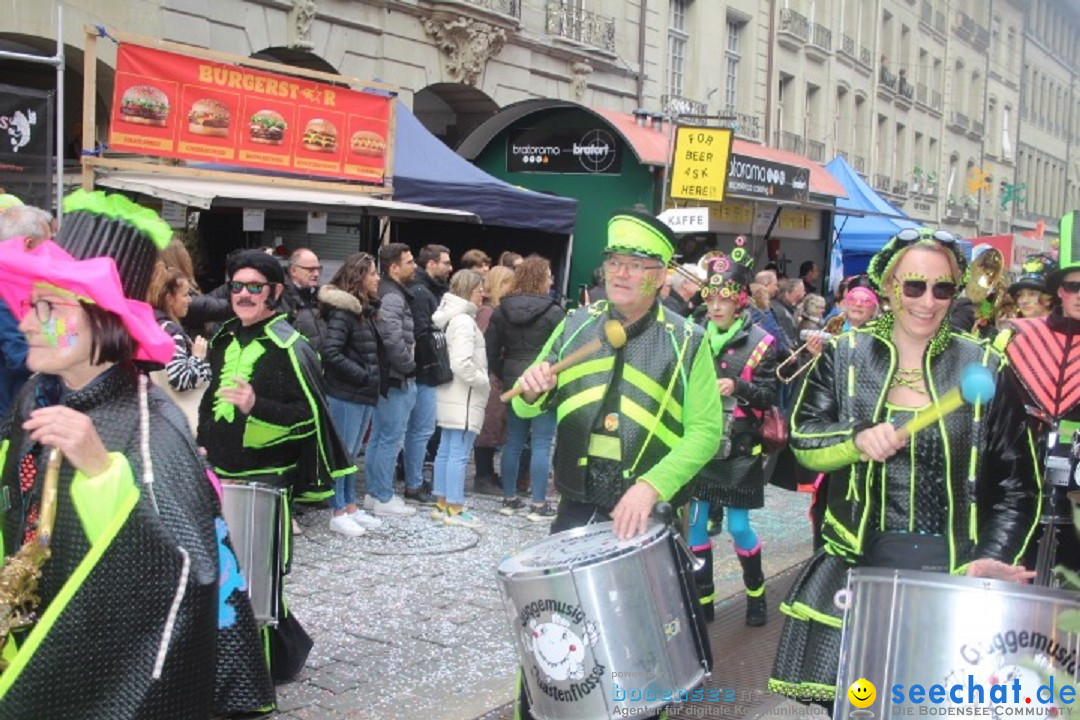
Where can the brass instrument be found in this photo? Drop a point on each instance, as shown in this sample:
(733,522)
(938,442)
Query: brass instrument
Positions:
(20,574)
(986,278)
(832,327)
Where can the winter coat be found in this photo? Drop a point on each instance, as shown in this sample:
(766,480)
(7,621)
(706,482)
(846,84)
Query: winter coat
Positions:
(493,434)
(302,307)
(395,325)
(459,404)
(427,293)
(350,352)
(519,328)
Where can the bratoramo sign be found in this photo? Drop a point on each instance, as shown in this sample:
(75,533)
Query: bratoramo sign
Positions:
(753,177)
(563,150)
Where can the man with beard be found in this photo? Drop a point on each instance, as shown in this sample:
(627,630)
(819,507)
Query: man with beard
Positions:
(427,287)
(264,418)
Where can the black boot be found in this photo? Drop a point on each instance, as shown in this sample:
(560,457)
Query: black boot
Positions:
(754,579)
(704,579)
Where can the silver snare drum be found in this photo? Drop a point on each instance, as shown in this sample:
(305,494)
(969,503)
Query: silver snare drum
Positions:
(905,627)
(253,512)
(602,627)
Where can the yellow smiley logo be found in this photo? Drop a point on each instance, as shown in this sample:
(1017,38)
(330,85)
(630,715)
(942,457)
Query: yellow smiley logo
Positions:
(862,693)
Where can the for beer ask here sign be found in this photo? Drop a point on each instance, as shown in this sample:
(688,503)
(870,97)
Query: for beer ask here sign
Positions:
(171,105)
(699,168)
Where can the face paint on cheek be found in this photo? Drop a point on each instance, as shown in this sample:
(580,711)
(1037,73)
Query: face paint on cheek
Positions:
(59,333)
(649,285)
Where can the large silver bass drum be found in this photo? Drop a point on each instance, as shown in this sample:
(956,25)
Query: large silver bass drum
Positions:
(906,628)
(604,627)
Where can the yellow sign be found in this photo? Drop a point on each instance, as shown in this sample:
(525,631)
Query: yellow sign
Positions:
(796,220)
(699,168)
(734,212)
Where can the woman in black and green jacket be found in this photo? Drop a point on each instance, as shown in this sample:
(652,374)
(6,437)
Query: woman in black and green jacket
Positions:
(961,497)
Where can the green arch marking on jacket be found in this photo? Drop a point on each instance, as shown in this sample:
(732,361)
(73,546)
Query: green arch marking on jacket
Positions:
(106,526)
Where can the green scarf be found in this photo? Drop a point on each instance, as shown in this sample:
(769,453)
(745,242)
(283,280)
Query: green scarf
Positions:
(718,339)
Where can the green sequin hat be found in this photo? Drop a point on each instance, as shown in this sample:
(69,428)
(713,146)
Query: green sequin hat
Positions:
(882,264)
(1068,250)
(101,225)
(1033,273)
(631,232)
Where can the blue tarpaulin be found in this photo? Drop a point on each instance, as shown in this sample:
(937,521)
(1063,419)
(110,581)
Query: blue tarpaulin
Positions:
(429,173)
(860,237)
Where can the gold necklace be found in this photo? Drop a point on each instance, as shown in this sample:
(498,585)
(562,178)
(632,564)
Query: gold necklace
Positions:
(910,378)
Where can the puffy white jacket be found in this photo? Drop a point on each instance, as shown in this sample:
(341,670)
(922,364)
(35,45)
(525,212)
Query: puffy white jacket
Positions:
(460,403)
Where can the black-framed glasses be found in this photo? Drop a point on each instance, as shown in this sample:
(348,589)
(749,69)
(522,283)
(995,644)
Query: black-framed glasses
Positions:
(43,308)
(908,236)
(1070,286)
(253,288)
(943,290)
(634,267)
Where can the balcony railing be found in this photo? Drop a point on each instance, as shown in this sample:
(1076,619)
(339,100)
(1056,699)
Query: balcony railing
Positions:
(789,141)
(920,93)
(822,37)
(680,106)
(847,45)
(965,25)
(887,78)
(977,128)
(865,56)
(882,182)
(935,99)
(982,37)
(906,89)
(581,26)
(859,163)
(815,150)
(506,7)
(900,187)
(960,120)
(794,24)
(747,127)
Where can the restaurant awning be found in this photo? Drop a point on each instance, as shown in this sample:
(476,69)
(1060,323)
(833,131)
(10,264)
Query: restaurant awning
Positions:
(207,194)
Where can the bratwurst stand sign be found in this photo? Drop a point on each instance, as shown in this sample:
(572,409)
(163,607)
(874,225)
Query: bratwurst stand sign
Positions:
(177,106)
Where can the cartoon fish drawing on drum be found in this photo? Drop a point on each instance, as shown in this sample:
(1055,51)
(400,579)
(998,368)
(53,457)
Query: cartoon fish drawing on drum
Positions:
(559,651)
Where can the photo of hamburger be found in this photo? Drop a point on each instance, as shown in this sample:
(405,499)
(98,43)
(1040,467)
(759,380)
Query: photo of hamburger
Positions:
(320,136)
(365,142)
(145,105)
(209,117)
(267,127)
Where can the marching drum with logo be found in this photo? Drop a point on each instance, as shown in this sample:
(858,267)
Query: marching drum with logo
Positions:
(906,627)
(603,627)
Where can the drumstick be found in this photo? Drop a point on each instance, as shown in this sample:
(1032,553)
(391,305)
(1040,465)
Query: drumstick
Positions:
(614,335)
(976,384)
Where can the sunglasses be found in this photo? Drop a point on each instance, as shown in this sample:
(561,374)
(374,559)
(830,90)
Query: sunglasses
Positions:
(908,236)
(1070,286)
(917,288)
(253,288)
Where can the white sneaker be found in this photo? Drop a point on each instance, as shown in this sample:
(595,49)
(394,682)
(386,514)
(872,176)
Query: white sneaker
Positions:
(369,503)
(394,506)
(345,526)
(364,520)
(462,519)
(438,513)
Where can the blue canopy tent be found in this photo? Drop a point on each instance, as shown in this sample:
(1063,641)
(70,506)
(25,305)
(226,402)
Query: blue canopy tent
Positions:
(861,235)
(427,172)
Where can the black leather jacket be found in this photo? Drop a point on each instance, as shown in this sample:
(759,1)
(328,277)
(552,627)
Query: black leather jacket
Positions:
(991,486)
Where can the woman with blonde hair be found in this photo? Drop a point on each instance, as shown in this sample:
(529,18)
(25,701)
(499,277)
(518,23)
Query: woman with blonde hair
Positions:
(499,281)
(460,403)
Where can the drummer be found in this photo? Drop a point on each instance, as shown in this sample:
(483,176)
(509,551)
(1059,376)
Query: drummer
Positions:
(637,423)
(961,498)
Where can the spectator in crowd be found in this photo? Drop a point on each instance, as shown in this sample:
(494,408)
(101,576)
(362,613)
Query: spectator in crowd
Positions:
(350,362)
(205,309)
(510,259)
(685,284)
(477,260)
(188,373)
(301,301)
(398,384)
(596,291)
(427,286)
(790,294)
(499,281)
(810,274)
(810,313)
(759,312)
(768,279)
(35,225)
(519,328)
(264,417)
(461,401)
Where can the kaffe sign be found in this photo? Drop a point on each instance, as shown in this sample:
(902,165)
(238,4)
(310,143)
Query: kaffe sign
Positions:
(752,177)
(563,150)
(26,144)
(699,168)
(171,105)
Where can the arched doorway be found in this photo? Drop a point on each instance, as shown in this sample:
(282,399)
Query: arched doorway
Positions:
(450,111)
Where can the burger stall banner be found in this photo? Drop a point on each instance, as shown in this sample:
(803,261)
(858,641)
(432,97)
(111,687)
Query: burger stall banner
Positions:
(171,105)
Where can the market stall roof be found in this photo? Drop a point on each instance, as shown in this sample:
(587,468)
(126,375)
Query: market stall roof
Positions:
(879,221)
(649,144)
(427,171)
(209,193)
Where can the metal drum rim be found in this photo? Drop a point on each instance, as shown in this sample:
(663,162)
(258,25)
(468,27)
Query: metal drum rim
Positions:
(921,578)
(254,484)
(511,567)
